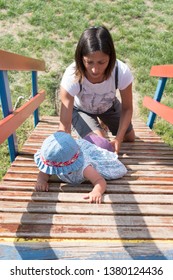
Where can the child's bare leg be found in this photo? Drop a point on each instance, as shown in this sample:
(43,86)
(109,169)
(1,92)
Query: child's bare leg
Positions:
(42,182)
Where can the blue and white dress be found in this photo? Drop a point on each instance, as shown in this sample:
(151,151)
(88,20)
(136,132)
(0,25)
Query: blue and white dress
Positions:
(106,163)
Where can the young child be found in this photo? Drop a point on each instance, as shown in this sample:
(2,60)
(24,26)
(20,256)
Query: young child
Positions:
(75,161)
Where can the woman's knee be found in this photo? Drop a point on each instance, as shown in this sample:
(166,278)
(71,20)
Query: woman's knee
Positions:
(130,136)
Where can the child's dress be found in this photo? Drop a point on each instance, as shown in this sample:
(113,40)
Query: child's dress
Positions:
(106,163)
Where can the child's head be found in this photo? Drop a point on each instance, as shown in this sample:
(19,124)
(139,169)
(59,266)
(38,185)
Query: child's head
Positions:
(59,154)
(99,141)
(92,40)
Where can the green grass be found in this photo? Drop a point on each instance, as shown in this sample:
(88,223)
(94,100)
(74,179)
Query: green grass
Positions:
(142,32)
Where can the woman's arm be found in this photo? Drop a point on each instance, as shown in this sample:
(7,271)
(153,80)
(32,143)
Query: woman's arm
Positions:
(66,110)
(126,116)
(98,182)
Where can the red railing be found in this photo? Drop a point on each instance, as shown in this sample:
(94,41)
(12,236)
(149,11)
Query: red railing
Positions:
(156,108)
(12,119)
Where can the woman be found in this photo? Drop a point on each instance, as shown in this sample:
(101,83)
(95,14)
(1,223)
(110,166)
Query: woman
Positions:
(88,90)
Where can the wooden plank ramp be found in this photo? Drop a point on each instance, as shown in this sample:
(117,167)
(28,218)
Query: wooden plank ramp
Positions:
(135,220)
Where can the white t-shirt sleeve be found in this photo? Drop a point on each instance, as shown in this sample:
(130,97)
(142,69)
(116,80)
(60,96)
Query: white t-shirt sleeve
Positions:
(68,80)
(125,77)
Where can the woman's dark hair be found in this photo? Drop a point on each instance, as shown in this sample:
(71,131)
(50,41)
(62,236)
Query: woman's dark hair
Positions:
(94,39)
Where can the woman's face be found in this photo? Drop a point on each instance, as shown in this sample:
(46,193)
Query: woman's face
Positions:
(95,64)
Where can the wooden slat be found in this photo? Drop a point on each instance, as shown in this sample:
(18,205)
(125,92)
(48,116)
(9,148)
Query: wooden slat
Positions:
(11,61)
(78,197)
(57,187)
(85,208)
(86,249)
(88,232)
(70,219)
(159,109)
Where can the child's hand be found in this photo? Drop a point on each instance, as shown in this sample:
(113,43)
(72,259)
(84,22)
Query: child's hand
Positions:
(94,197)
(41,186)
(99,183)
(42,182)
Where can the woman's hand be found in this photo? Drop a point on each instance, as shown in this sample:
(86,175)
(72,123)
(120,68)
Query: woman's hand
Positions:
(116,144)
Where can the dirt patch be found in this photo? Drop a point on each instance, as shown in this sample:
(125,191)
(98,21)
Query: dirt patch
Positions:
(16,26)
